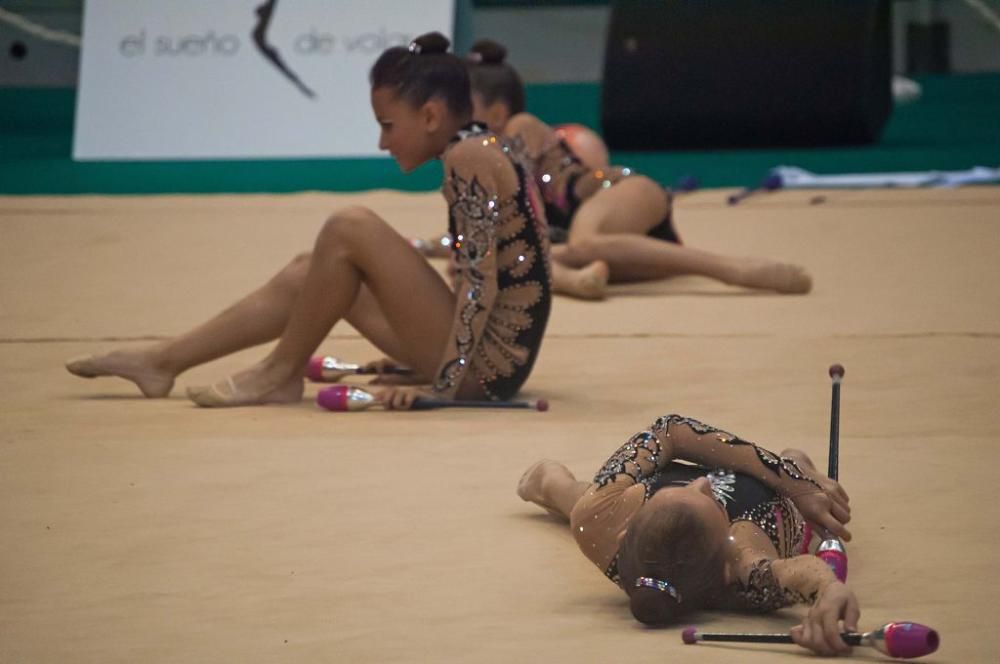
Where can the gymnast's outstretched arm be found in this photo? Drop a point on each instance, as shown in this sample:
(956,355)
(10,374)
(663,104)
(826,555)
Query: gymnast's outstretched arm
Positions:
(821,500)
(765,584)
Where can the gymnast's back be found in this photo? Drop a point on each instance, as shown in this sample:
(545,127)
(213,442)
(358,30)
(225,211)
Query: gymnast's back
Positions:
(500,237)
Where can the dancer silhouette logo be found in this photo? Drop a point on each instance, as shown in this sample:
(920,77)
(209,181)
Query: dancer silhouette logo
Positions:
(264,14)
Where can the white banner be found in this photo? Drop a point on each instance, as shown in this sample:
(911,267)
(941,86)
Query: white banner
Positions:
(190,79)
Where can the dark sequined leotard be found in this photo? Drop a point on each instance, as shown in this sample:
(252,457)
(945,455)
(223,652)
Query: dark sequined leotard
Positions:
(495,344)
(605,510)
(565,183)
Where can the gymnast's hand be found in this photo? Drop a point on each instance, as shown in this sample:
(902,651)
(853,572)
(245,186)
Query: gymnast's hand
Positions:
(822,509)
(841,501)
(402,398)
(828,507)
(821,629)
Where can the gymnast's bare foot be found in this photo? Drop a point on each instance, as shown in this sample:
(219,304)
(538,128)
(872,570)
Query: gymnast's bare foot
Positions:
(254,387)
(534,485)
(771,275)
(138,366)
(586,283)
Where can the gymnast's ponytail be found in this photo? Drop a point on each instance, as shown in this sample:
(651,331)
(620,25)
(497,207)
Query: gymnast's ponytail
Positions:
(424,70)
(492,78)
(669,566)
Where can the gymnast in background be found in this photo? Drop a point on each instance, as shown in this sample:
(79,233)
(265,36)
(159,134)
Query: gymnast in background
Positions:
(685,517)
(478,340)
(607,222)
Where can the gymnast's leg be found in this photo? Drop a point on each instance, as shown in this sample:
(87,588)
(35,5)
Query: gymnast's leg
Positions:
(612,224)
(355,248)
(255,319)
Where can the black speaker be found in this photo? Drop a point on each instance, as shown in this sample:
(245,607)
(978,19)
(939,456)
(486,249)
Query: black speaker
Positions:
(746,73)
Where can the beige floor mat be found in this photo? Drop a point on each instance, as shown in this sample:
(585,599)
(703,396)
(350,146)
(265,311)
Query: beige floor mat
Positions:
(134,530)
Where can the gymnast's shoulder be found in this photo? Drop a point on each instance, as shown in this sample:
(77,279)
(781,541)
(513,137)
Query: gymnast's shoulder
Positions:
(482,155)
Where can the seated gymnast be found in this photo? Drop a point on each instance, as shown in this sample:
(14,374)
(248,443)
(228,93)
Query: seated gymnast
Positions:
(478,340)
(679,536)
(606,223)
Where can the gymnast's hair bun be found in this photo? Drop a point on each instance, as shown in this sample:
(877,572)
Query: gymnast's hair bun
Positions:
(652,607)
(488,52)
(429,44)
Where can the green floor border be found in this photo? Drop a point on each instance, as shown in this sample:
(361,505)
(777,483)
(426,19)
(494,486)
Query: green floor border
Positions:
(953,126)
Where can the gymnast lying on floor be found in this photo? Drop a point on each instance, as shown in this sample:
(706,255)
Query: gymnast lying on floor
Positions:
(679,537)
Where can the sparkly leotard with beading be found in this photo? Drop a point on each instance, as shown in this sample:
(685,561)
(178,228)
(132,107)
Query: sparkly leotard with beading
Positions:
(638,462)
(565,183)
(509,225)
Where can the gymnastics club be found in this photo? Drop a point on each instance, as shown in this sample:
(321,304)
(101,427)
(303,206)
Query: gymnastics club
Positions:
(833,463)
(770,183)
(831,550)
(341,398)
(330,369)
(905,640)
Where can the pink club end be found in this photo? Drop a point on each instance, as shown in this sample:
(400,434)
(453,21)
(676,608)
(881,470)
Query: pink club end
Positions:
(689,636)
(837,560)
(542,405)
(836,371)
(907,640)
(342,398)
(333,397)
(314,370)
